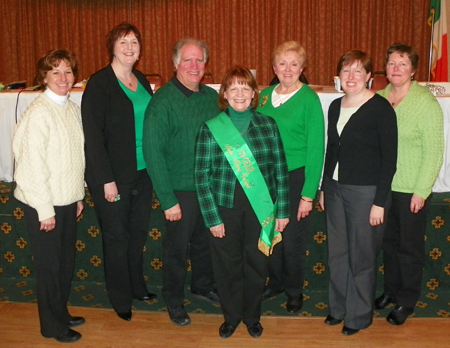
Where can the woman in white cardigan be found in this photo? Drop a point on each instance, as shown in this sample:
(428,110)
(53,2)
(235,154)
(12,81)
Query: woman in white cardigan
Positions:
(49,149)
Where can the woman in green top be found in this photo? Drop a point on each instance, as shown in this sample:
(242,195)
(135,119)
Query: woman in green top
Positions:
(420,156)
(112,109)
(297,110)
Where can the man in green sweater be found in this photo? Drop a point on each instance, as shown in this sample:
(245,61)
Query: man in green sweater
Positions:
(171,124)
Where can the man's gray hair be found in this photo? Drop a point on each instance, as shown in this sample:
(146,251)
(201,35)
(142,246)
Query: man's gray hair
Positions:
(179,45)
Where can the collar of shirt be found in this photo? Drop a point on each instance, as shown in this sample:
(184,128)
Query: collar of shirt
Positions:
(186,91)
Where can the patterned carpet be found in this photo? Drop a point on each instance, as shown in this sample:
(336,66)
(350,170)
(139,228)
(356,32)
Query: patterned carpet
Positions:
(17,280)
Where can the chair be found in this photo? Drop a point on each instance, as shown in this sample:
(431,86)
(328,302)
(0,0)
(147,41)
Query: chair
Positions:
(207,79)
(154,79)
(380,80)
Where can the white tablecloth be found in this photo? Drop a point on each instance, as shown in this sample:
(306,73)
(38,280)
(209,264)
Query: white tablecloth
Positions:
(8,120)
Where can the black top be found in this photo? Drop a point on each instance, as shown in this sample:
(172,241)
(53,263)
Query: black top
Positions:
(367,147)
(109,129)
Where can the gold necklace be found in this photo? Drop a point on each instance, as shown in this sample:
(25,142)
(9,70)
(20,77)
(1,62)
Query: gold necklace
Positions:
(287,95)
(125,81)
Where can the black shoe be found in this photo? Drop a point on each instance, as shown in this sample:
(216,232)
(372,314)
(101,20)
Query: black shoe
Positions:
(178,315)
(331,321)
(125,315)
(269,293)
(255,330)
(348,332)
(294,304)
(211,297)
(76,321)
(69,337)
(226,330)
(147,297)
(399,315)
(383,301)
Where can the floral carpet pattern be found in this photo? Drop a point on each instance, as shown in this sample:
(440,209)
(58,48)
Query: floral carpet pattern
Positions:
(88,289)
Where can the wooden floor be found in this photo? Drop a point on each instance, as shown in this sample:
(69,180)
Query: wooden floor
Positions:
(19,327)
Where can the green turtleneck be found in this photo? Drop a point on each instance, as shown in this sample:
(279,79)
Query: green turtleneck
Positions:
(241,119)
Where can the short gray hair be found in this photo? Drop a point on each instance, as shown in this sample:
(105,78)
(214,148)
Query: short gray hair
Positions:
(179,45)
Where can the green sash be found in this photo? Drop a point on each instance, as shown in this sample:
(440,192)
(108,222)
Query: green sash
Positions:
(249,176)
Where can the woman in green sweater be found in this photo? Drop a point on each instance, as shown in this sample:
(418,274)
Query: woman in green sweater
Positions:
(297,110)
(420,156)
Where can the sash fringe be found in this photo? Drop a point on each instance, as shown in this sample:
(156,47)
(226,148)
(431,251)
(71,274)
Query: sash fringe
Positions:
(265,249)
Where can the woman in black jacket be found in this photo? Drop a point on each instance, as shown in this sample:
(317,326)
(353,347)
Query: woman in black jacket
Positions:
(360,163)
(113,108)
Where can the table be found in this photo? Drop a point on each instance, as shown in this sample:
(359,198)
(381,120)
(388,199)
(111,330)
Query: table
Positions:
(9,117)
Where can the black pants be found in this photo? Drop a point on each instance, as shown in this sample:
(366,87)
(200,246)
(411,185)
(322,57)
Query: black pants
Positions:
(124,226)
(404,250)
(187,236)
(240,268)
(54,259)
(287,262)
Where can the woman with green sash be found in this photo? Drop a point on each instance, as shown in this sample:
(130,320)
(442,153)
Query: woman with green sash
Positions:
(242,185)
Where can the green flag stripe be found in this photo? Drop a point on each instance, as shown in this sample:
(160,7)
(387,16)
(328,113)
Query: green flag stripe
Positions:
(436,7)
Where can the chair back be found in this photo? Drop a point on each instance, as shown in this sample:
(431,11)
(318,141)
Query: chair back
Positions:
(154,79)
(380,80)
(207,79)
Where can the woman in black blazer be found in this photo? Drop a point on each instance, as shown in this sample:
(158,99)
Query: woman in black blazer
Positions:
(113,108)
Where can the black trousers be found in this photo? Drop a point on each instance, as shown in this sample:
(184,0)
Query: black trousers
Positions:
(240,268)
(404,250)
(124,226)
(287,262)
(183,238)
(54,259)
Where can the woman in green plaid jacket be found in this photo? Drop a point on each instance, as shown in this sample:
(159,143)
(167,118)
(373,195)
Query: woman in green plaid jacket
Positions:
(236,238)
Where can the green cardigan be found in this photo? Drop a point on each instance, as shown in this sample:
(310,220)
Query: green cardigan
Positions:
(301,124)
(420,141)
(171,124)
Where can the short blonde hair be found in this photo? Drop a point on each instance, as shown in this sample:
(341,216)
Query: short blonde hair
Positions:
(290,46)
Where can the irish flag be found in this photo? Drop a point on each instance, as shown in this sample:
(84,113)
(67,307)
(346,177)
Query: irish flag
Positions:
(439,54)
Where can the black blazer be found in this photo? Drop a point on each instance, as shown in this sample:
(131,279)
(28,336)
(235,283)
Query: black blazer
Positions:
(367,147)
(109,129)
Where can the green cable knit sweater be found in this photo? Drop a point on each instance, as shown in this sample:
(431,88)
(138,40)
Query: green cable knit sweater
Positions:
(171,124)
(420,141)
(301,124)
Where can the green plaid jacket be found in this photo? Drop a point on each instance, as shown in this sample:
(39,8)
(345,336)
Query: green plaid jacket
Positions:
(215,180)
